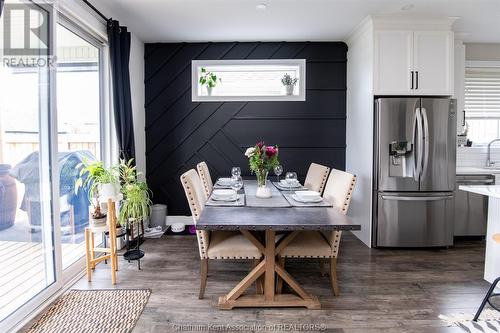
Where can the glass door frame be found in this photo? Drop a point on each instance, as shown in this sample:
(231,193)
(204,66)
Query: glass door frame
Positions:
(76,267)
(109,152)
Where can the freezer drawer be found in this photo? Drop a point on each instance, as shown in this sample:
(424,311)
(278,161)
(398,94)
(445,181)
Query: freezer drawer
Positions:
(414,219)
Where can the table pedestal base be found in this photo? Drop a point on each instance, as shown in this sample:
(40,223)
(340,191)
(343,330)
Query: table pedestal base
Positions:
(267,270)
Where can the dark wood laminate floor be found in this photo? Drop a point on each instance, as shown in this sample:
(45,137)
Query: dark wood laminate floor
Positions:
(381,290)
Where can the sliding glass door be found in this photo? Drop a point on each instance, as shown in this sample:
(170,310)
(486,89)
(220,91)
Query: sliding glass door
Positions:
(51,118)
(26,224)
(79,130)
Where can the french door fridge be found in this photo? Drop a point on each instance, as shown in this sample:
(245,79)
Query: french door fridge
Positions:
(414,172)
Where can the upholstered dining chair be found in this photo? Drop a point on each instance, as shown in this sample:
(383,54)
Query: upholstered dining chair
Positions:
(205,177)
(316,177)
(325,244)
(218,244)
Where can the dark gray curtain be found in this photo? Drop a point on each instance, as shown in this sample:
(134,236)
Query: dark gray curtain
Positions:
(119,45)
(1,7)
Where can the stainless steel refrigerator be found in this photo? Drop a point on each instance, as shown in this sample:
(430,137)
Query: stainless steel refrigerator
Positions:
(414,172)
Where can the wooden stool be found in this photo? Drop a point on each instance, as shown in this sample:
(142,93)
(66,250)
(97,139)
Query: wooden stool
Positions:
(110,253)
(490,293)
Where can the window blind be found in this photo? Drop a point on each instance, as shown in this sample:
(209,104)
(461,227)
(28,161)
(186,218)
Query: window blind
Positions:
(482,92)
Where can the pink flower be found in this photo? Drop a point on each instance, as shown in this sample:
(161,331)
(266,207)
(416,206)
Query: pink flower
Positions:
(271,151)
(260,144)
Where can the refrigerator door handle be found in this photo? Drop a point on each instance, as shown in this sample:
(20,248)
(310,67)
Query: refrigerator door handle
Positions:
(417,139)
(425,139)
(417,198)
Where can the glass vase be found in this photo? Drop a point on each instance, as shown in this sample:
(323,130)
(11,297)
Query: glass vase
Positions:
(262,190)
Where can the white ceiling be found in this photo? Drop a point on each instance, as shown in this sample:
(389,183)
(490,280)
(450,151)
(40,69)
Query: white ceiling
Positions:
(288,20)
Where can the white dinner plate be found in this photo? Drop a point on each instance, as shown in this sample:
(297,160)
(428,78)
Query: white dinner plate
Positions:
(224,181)
(224,192)
(286,184)
(225,199)
(313,195)
(312,200)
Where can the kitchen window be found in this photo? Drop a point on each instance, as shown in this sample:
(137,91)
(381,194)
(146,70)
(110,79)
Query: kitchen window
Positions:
(248,80)
(482,103)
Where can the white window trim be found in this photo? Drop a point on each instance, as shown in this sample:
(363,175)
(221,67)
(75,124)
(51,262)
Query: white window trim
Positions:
(481,63)
(301,96)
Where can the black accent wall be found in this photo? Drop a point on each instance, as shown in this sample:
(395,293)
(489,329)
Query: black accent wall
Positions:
(180,133)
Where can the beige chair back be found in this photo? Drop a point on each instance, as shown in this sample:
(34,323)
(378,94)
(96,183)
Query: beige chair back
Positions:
(206,179)
(338,191)
(316,177)
(339,188)
(193,188)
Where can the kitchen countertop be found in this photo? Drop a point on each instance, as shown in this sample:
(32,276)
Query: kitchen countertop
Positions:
(477,171)
(488,190)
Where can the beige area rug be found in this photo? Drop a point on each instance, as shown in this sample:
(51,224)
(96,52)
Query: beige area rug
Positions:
(489,321)
(113,310)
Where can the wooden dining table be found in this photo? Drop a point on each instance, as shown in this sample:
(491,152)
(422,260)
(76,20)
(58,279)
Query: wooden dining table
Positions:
(260,226)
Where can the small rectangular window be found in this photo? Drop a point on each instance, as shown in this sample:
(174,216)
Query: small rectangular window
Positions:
(248,80)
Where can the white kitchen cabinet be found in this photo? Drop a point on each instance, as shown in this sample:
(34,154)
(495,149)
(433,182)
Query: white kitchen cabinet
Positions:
(393,62)
(413,62)
(433,62)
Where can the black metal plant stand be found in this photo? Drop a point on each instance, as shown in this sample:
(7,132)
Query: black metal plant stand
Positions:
(487,298)
(134,252)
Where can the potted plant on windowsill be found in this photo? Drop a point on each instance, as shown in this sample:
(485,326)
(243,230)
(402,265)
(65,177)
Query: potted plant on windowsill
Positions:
(209,80)
(101,183)
(289,83)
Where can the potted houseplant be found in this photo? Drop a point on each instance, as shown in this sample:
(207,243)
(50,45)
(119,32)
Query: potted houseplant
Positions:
(262,159)
(289,83)
(136,206)
(98,180)
(209,80)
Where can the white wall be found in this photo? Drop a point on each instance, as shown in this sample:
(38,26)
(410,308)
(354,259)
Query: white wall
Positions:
(459,85)
(136,68)
(359,137)
(482,51)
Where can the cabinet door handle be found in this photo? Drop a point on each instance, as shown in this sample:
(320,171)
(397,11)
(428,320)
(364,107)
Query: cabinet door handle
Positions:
(416,85)
(411,79)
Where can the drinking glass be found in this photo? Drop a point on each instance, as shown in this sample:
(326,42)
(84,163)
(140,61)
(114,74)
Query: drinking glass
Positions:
(291,178)
(236,171)
(278,170)
(236,183)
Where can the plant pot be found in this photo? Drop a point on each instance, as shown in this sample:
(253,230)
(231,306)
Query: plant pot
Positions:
(209,91)
(8,197)
(289,89)
(97,223)
(109,190)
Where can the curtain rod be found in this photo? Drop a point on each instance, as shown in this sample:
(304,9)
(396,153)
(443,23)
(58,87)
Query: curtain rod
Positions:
(95,10)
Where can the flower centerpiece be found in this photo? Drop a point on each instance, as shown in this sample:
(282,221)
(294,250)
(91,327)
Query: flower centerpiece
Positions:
(262,159)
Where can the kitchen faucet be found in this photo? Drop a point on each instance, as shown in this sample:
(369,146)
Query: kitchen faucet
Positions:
(489,163)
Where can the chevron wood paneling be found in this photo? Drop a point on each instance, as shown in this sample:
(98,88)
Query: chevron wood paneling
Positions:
(181,133)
